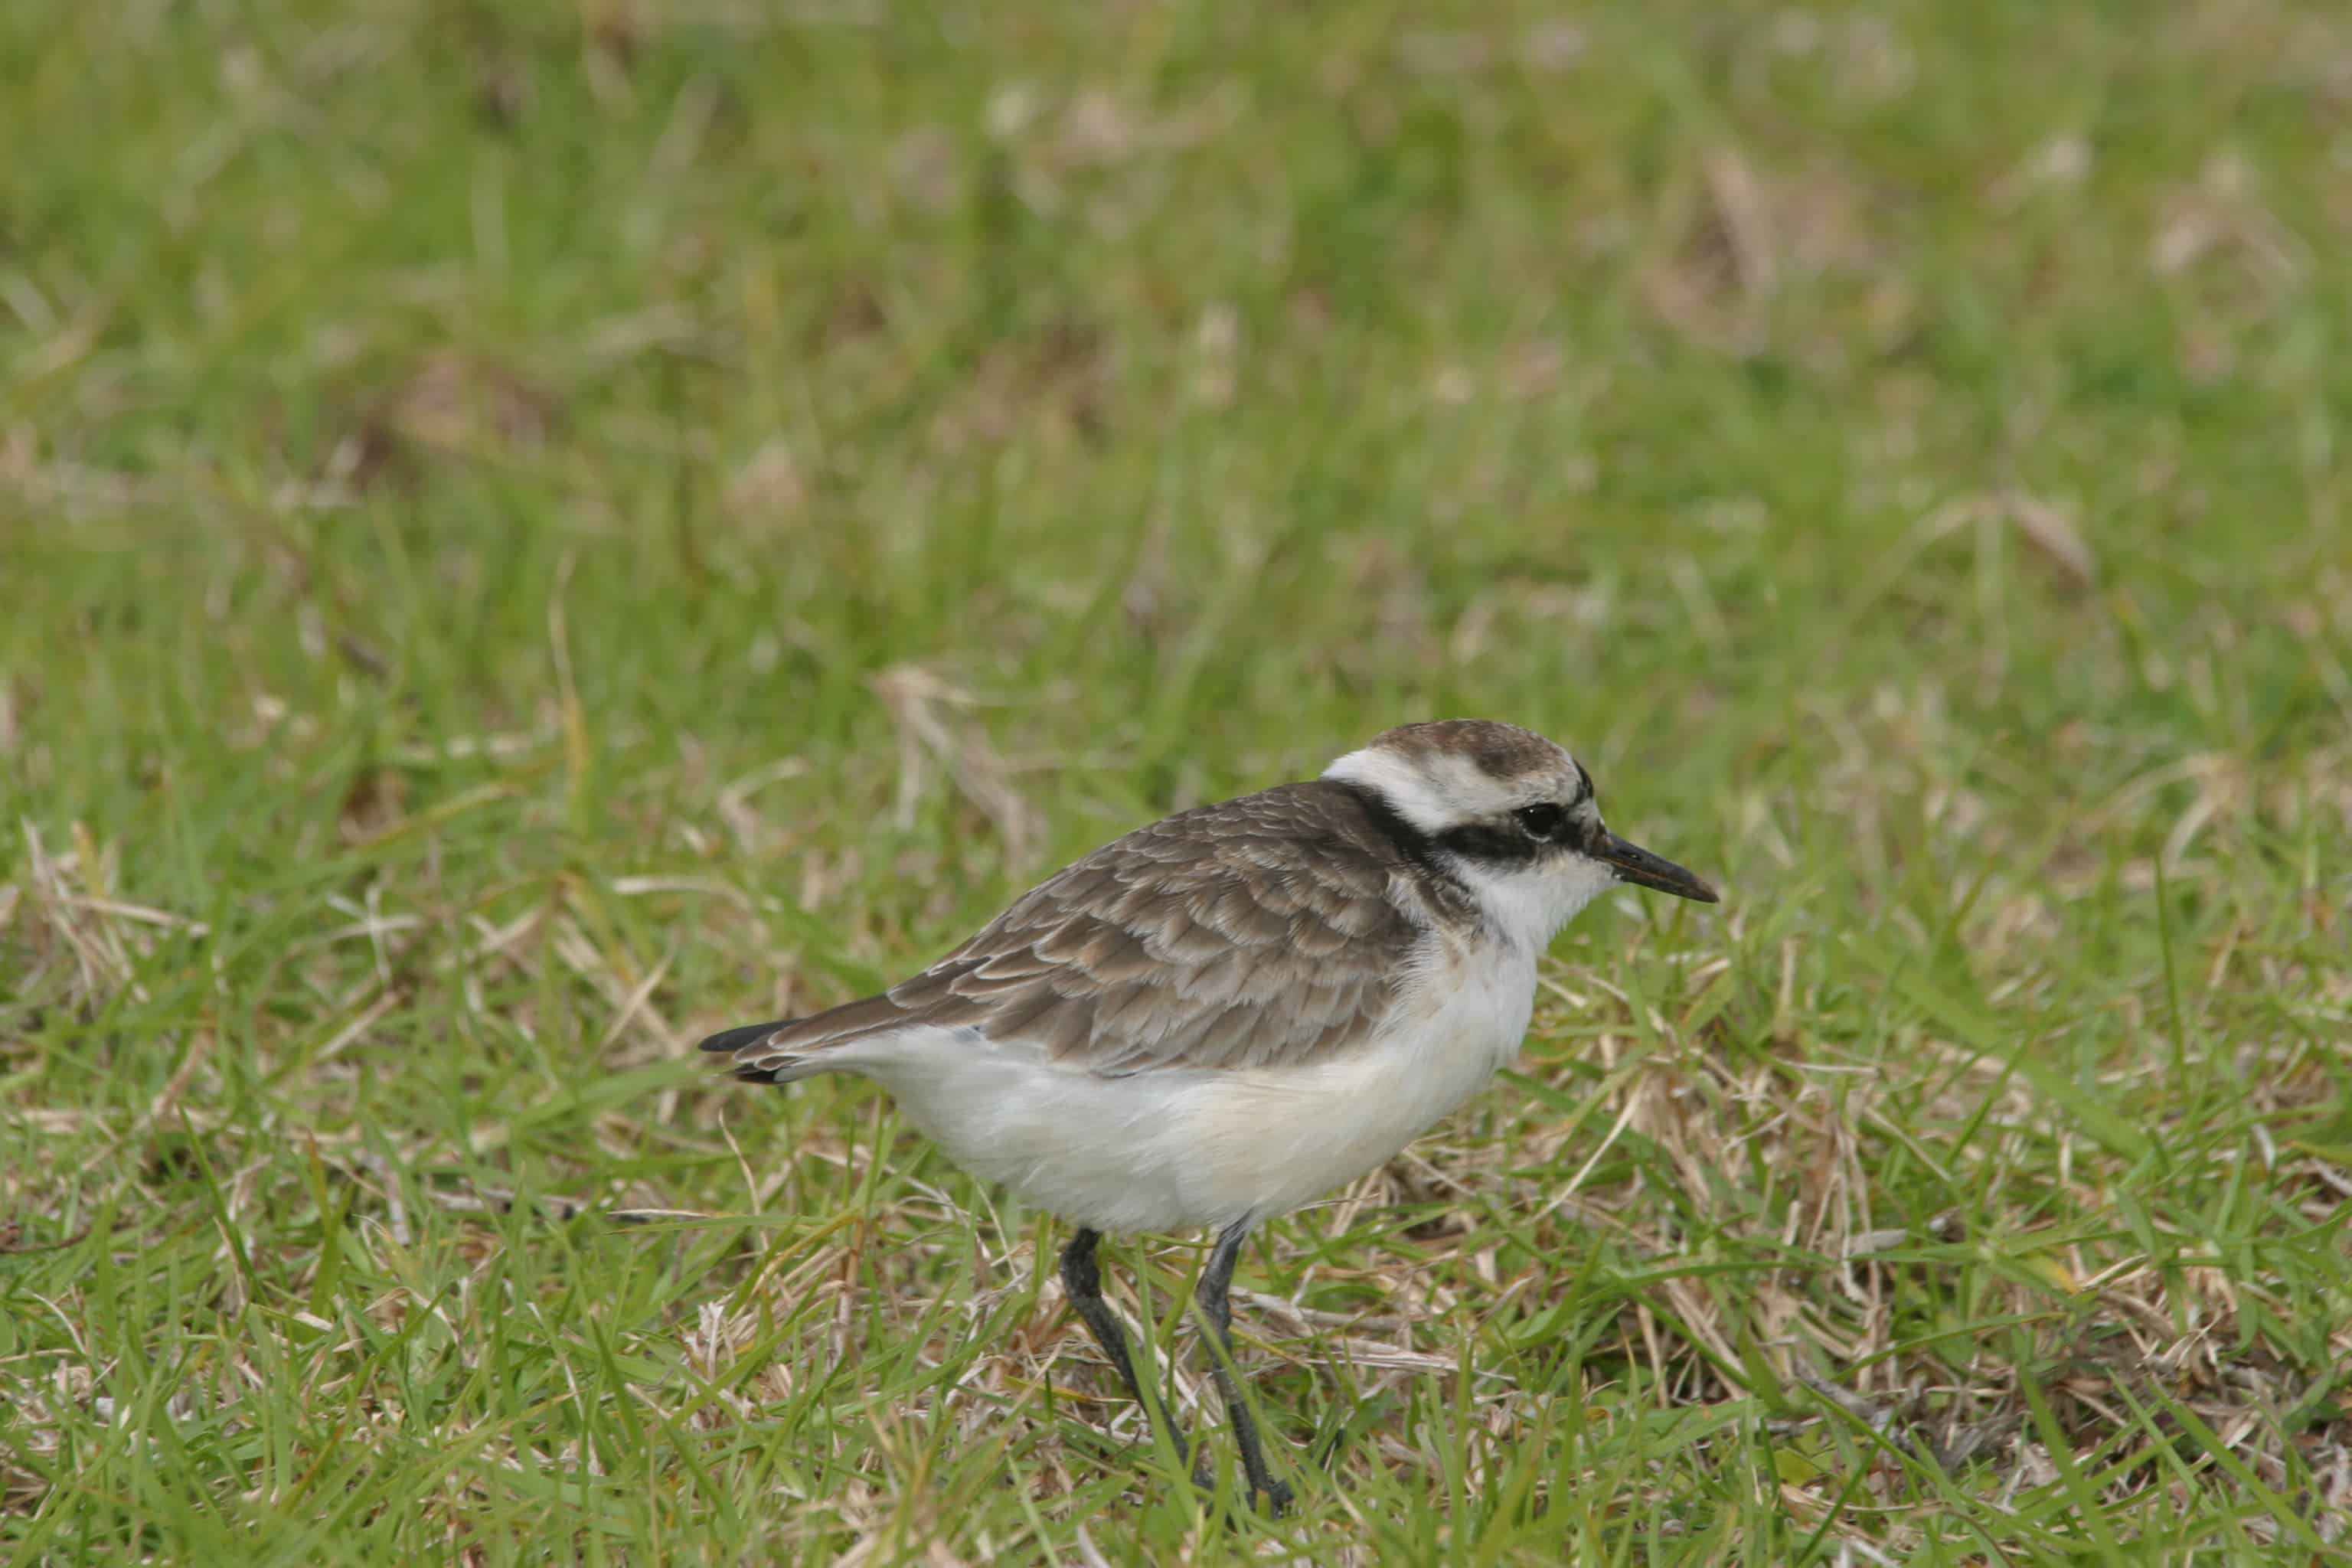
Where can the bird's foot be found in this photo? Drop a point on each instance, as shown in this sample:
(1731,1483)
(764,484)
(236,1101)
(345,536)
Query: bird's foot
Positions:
(1277,1494)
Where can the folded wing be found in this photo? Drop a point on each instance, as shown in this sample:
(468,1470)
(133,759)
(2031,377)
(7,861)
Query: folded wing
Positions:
(1254,932)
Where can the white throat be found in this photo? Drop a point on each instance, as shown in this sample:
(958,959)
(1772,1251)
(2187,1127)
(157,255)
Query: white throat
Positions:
(1529,907)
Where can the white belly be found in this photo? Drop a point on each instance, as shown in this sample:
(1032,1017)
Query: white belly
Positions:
(1169,1149)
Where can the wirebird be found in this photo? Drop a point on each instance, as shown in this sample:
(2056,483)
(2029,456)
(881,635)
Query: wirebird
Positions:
(1224,1015)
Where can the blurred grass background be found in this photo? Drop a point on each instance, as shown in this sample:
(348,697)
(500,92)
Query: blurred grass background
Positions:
(529,532)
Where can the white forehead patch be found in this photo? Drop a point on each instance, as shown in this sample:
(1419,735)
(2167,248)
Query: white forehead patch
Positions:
(1434,790)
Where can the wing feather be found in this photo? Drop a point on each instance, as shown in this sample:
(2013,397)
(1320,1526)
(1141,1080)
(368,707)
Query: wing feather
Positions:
(1255,932)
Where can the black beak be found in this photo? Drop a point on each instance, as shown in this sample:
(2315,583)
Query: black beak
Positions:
(1635,864)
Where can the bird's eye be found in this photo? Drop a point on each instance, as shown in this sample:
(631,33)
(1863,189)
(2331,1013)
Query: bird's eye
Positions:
(1541,820)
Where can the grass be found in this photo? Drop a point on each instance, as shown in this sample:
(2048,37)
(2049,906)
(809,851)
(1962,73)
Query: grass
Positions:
(535,531)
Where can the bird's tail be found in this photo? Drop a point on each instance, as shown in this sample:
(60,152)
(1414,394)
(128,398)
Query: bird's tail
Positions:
(787,1049)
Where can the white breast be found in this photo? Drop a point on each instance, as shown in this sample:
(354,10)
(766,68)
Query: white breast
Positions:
(1273,1138)
(1170,1149)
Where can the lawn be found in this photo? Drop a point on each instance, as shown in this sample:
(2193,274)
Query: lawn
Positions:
(533,532)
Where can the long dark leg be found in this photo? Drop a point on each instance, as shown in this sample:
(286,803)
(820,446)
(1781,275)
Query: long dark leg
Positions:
(1215,1284)
(1083,1281)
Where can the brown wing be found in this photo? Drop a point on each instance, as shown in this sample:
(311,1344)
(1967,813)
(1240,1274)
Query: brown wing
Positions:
(1255,930)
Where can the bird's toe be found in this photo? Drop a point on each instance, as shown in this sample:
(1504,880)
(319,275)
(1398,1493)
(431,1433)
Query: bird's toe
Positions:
(1277,1494)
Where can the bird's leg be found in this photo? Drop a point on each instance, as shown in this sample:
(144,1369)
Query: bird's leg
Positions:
(1216,1303)
(1083,1282)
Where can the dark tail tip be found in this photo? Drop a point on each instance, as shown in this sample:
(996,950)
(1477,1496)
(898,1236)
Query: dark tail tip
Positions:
(732,1040)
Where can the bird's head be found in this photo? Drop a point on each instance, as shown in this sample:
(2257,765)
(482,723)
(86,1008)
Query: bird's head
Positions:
(1513,816)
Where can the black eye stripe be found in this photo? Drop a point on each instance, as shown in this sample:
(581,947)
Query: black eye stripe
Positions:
(1489,844)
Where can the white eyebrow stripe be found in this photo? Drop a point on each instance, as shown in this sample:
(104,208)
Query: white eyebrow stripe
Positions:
(1404,787)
